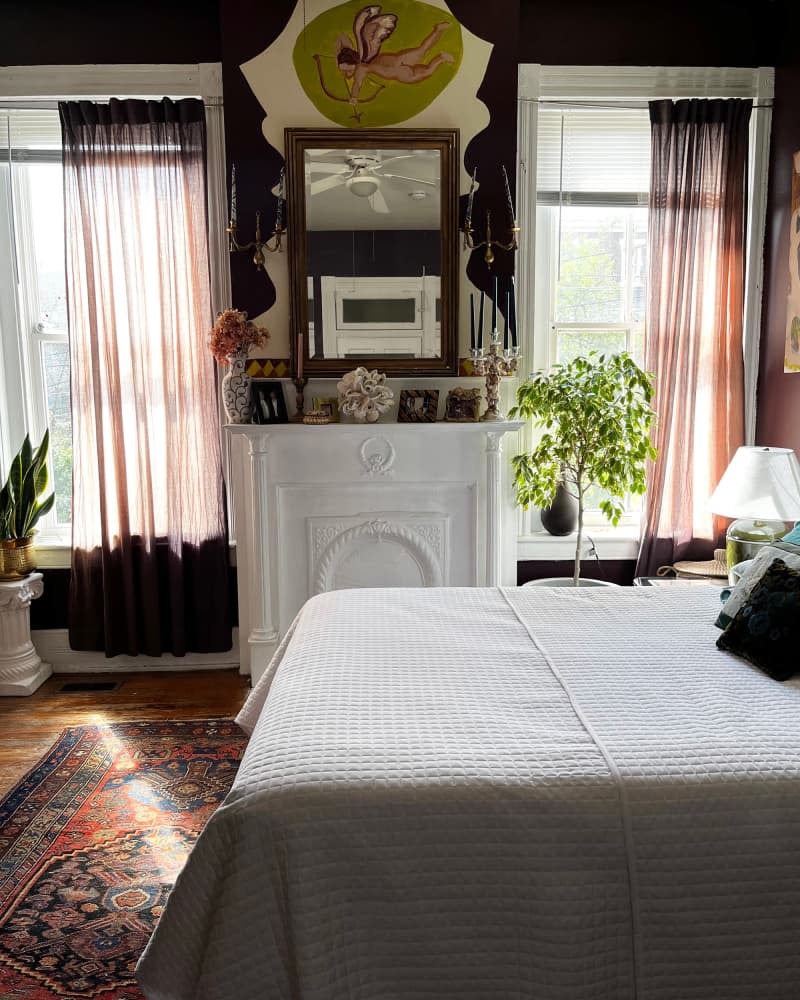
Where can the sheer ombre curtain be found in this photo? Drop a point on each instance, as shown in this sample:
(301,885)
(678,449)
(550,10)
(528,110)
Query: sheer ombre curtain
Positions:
(693,339)
(150,550)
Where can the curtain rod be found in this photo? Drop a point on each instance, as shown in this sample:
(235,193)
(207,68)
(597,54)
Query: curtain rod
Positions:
(51,103)
(623,106)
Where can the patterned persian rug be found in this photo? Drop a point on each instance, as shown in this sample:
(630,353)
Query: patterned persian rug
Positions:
(90,844)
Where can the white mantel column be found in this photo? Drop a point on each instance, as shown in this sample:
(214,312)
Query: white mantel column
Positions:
(263,638)
(21,670)
(494,520)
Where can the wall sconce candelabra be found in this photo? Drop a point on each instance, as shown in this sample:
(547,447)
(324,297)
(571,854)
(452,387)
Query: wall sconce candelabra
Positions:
(260,247)
(489,243)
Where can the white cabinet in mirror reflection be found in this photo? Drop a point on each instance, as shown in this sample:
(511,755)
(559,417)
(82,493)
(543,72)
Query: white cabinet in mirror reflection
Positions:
(389,317)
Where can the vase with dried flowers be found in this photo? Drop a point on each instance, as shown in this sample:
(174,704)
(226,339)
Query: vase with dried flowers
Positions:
(232,336)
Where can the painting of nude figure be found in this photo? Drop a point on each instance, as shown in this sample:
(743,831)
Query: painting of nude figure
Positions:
(366,66)
(792,362)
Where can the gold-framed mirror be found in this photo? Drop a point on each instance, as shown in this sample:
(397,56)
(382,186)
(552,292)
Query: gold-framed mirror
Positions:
(374,250)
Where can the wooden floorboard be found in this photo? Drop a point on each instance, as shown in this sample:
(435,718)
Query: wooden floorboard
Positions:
(29,726)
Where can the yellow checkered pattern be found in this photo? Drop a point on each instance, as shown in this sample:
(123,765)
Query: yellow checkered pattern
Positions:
(268,368)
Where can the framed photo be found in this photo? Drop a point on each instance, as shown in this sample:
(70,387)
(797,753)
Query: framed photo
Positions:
(329,405)
(269,406)
(462,405)
(418,405)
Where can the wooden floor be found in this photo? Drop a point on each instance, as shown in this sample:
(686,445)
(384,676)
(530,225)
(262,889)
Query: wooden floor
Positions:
(29,726)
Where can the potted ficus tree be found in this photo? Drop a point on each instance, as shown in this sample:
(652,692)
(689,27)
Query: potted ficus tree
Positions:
(21,506)
(595,414)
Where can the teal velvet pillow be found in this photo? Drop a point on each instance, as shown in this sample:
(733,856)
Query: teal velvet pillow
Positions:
(793,536)
(766,629)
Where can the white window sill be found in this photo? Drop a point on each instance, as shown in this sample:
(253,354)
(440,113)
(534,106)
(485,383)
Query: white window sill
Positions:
(53,551)
(611,543)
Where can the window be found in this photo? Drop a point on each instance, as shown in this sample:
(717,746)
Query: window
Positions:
(591,225)
(582,192)
(35,351)
(34,355)
(593,176)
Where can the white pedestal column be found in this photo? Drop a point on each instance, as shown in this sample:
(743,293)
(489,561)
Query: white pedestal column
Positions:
(21,670)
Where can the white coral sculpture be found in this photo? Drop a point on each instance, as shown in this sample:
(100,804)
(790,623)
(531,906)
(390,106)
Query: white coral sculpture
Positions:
(364,395)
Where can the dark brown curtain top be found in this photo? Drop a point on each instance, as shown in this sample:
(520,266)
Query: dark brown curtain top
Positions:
(76,115)
(695,111)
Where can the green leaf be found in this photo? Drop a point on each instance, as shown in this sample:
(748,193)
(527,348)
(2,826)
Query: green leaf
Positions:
(37,511)
(28,478)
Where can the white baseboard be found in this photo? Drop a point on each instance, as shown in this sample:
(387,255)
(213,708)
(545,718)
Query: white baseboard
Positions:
(53,647)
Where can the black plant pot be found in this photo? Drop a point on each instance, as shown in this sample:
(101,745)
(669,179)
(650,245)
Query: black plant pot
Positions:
(561,517)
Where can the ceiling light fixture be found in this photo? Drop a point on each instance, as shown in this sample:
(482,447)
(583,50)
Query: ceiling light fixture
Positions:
(362,187)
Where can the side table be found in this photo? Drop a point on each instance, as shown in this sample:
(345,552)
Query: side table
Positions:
(21,670)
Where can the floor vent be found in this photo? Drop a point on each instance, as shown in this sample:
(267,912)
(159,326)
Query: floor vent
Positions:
(75,687)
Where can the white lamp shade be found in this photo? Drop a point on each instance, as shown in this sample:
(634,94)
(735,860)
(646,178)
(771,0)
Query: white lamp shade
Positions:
(760,483)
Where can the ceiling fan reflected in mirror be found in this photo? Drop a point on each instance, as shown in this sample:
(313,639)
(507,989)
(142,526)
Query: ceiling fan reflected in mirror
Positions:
(363,175)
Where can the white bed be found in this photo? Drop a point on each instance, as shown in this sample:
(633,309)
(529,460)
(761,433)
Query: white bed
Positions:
(521,793)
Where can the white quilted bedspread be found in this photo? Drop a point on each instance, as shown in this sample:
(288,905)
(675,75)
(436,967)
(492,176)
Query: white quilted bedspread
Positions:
(496,795)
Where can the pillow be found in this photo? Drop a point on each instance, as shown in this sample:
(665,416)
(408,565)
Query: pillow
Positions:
(766,630)
(794,535)
(752,574)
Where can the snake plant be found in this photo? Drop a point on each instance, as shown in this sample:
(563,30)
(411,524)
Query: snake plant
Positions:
(21,503)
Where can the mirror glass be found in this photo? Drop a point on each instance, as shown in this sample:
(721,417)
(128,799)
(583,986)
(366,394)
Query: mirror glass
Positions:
(374,263)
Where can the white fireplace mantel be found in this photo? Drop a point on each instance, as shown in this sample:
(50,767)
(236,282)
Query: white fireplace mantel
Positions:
(321,508)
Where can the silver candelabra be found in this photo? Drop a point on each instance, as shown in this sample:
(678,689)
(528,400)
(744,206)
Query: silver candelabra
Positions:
(494,364)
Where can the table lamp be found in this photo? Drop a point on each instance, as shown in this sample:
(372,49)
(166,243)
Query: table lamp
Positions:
(761,489)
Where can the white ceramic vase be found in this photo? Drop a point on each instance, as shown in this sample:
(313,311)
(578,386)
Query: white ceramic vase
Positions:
(236,391)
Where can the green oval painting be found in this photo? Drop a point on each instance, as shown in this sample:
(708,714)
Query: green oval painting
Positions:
(369,66)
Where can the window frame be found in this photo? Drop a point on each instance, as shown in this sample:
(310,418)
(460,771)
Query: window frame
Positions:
(628,84)
(22,397)
(33,416)
(545,278)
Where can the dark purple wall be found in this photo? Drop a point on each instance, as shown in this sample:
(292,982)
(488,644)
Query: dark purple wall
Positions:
(632,33)
(618,571)
(369,253)
(779,393)
(43,32)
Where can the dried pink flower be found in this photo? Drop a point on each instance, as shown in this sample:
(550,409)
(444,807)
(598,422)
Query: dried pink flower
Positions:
(233,333)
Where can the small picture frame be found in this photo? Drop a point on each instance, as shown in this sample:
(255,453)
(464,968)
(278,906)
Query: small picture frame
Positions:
(462,405)
(328,405)
(418,406)
(268,403)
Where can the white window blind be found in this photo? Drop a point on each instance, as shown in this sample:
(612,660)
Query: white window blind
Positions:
(586,152)
(29,133)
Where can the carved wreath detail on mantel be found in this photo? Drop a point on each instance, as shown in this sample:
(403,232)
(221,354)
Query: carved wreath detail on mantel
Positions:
(377,456)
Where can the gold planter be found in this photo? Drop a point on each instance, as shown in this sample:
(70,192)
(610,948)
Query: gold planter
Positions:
(17,558)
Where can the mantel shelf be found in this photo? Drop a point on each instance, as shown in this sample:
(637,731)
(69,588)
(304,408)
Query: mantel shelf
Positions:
(441,426)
